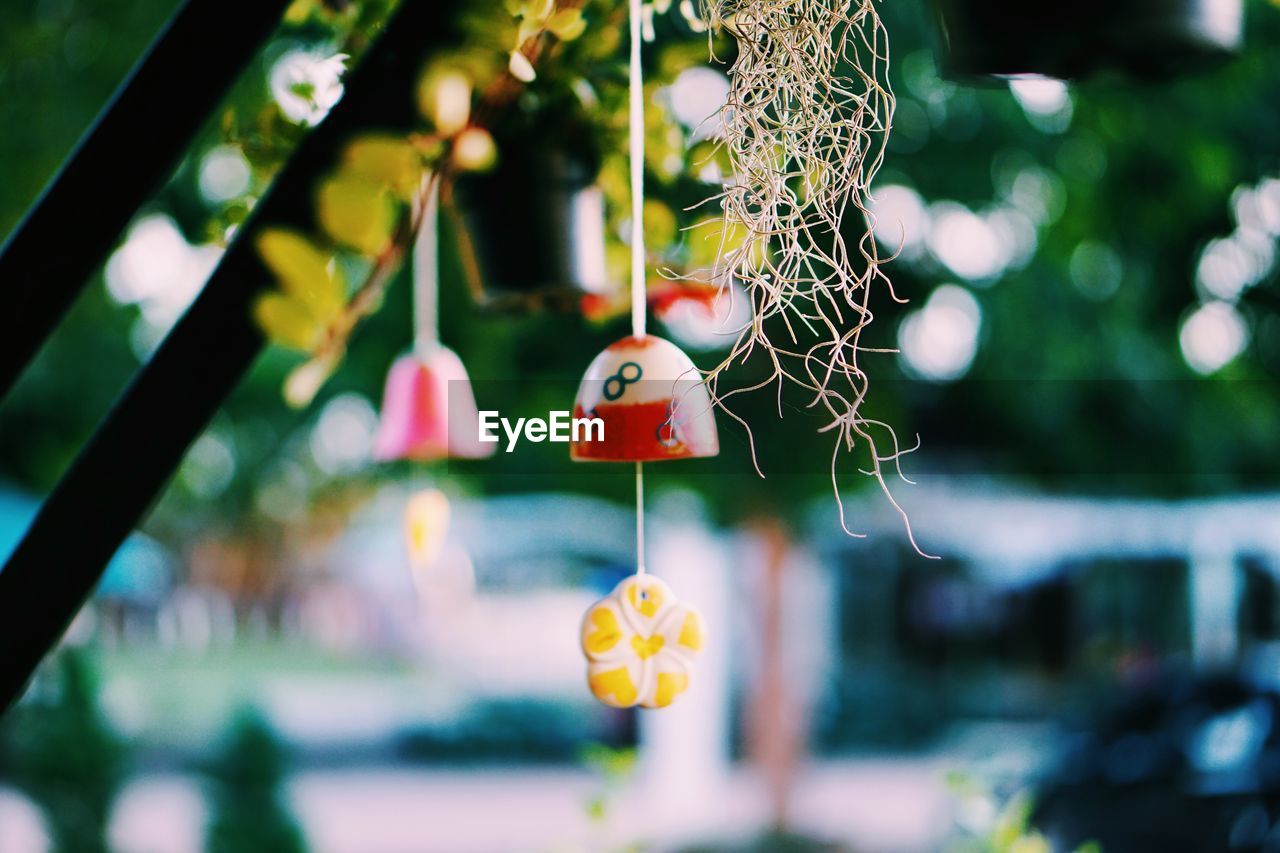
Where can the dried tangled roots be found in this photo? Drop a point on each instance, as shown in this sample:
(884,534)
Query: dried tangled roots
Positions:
(804,129)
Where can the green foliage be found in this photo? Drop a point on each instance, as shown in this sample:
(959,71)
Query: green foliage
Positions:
(777,842)
(58,749)
(1145,169)
(998,827)
(613,767)
(244,784)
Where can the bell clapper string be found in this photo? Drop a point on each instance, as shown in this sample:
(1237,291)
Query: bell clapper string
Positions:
(640,518)
(426,270)
(636,155)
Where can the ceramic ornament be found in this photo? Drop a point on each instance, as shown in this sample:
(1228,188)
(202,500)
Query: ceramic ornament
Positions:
(429,409)
(700,315)
(426,524)
(640,642)
(652,401)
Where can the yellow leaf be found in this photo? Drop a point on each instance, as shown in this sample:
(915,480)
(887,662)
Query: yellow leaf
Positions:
(567,24)
(1033,843)
(388,160)
(536,9)
(529,28)
(356,212)
(660,226)
(475,150)
(712,241)
(287,321)
(303,270)
(299,11)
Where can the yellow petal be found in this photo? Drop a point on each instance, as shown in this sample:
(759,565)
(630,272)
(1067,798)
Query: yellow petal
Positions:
(604,631)
(691,632)
(646,595)
(647,647)
(670,685)
(613,687)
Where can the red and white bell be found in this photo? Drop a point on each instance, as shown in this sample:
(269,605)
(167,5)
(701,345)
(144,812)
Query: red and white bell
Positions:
(652,402)
(429,410)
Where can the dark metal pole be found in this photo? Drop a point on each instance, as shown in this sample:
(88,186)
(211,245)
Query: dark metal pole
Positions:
(137,447)
(133,146)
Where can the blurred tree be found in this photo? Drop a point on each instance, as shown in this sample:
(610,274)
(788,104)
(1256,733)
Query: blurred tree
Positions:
(1099,197)
(245,780)
(58,748)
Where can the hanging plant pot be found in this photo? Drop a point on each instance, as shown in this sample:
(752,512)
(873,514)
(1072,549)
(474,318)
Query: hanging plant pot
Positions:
(531,232)
(1149,38)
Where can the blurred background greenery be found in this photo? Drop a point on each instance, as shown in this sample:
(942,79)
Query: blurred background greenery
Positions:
(1092,276)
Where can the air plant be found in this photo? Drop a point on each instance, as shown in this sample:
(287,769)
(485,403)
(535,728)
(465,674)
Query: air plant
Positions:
(804,131)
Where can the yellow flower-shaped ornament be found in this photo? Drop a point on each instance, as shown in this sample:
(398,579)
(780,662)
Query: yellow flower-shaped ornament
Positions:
(640,643)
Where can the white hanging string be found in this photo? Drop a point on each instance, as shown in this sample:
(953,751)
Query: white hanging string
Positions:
(426,272)
(636,154)
(640,518)
(637,178)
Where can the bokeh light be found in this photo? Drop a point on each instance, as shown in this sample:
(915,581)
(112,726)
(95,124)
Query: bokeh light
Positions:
(224,174)
(696,97)
(901,219)
(343,435)
(939,341)
(1212,336)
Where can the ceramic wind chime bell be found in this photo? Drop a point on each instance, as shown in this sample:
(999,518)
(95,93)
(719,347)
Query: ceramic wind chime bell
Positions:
(640,641)
(429,409)
(652,401)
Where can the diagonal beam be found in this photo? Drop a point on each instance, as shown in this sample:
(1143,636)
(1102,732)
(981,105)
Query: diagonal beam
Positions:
(136,448)
(132,147)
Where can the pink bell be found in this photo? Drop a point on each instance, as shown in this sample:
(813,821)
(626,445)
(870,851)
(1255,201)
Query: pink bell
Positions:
(429,411)
(652,401)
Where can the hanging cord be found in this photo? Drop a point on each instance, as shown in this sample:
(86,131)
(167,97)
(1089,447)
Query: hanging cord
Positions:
(640,518)
(637,178)
(636,86)
(426,271)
